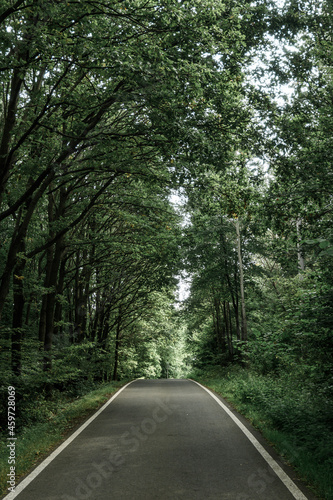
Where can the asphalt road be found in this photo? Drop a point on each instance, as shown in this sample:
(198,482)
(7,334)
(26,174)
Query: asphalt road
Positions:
(163,439)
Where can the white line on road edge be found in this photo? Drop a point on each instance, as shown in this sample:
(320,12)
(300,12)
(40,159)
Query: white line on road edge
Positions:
(294,490)
(23,484)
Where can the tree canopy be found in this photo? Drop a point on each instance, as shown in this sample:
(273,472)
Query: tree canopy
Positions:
(110,108)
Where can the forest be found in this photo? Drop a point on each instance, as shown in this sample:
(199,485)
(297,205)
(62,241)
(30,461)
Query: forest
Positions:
(148,146)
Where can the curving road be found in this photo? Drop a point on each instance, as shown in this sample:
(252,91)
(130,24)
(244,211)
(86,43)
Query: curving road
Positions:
(163,439)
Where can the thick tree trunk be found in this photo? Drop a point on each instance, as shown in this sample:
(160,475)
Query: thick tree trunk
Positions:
(9,122)
(18,236)
(233,294)
(50,304)
(46,326)
(18,290)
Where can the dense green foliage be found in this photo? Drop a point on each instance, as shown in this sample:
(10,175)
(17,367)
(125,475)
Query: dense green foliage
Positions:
(98,107)
(107,110)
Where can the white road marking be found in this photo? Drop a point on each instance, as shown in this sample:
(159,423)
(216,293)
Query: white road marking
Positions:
(294,490)
(23,484)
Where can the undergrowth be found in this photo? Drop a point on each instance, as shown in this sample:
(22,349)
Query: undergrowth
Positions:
(293,414)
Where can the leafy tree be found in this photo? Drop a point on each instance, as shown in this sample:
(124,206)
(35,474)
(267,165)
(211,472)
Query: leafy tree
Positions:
(101,104)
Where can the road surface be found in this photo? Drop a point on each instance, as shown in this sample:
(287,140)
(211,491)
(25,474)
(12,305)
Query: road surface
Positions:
(163,439)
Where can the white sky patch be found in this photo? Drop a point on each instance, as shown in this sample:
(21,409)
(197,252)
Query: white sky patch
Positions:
(184,286)
(178,200)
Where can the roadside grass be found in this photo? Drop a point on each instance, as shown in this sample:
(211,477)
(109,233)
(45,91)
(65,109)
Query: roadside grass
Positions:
(36,441)
(290,414)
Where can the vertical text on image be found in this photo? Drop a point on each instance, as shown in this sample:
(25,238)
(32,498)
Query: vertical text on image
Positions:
(11,445)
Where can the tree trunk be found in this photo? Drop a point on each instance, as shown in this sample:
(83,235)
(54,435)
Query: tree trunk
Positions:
(116,352)
(18,292)
(232,290)
(18,236)
(228,326)
(82,290)
(300,256)
(60,290)
(241,282)
(78,301)
(43,311)
(50,305)
(18,308)
(217,322)
(230,341)
(52,269)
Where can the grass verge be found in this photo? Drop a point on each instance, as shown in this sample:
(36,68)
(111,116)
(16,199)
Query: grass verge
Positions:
(36,441)
(294,419)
